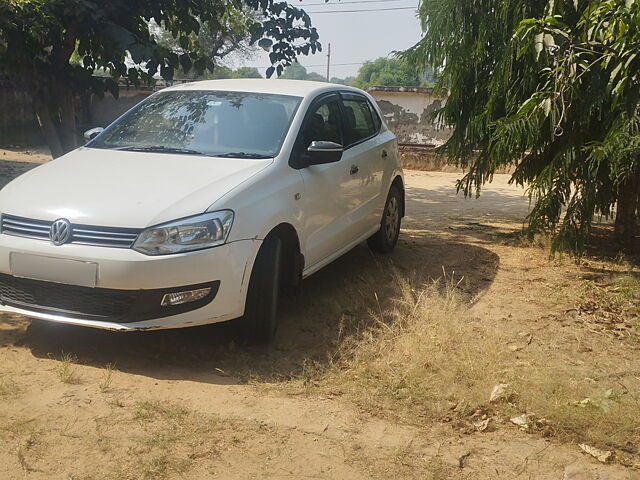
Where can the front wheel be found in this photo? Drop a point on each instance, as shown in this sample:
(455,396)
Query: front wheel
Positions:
(260,319)
(385,239)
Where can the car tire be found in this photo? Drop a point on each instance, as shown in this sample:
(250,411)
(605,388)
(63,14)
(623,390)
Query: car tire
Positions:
(260,320)
(385,239)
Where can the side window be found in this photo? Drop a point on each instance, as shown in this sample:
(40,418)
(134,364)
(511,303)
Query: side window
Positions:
(358,121)
(323,124)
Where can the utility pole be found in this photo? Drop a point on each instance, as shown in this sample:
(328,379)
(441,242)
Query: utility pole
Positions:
(328,61)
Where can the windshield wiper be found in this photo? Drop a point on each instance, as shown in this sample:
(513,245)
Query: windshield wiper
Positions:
(241,155)
(159,149)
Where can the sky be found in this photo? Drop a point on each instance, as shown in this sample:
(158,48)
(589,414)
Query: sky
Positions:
(354,37)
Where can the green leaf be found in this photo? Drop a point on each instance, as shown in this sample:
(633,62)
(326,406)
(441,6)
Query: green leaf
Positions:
(538,44)
(546,105)
(614,73)
(265,43)
(166,72)
(185,62)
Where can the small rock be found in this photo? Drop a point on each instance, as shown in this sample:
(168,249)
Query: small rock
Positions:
(515,348)
(499,393)
(603,456)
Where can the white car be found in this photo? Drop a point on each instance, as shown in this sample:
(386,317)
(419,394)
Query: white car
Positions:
(201,204)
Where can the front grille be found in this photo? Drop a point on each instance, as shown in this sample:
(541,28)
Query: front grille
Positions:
(55,298)
(24,227)
(80,234)
(103,304)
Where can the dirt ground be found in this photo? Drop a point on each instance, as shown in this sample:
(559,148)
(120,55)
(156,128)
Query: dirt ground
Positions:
(200,403)
(38,154)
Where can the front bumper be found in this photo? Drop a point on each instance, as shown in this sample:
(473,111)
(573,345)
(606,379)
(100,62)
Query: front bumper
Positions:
(129,276)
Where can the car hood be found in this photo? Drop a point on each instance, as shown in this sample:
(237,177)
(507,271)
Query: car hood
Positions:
(124,189)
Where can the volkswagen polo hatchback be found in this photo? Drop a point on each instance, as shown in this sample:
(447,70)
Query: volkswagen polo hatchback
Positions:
(201,204)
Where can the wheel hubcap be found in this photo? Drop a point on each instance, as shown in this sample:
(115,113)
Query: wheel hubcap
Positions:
(391,219)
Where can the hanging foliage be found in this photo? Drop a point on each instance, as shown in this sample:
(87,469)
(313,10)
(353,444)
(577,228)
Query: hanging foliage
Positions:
(551,89)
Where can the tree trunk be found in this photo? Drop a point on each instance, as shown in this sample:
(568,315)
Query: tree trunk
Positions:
(53,97)
(626,225)
(67,127)
(47,125)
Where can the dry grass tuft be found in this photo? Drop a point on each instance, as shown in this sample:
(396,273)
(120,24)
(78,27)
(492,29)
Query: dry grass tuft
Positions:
(424,354)
(427,358)
(66,372)
(612,305)
(107,378)
(524,239)
(8,387)
(174,437)
(153,410)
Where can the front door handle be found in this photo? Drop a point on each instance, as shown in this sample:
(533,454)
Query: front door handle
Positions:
(384,154)
(354,169)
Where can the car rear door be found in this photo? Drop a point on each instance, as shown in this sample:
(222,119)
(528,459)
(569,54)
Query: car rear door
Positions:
(365,153)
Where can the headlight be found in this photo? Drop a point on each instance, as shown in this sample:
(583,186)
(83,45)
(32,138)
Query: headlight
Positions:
(193,233)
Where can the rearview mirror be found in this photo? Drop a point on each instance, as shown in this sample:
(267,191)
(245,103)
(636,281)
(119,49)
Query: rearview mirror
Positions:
(93,133)
(322,151)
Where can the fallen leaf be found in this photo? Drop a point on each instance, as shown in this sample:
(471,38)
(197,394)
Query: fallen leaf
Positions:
(522,421)
(603,456)
(499,393)
(482,425)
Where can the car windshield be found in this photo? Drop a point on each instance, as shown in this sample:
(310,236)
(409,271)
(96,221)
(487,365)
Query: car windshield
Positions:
(217,123)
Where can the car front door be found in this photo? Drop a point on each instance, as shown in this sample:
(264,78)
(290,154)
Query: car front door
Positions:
(329,200)
(365,153)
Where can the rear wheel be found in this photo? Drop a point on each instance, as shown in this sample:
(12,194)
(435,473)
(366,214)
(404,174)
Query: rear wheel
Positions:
(385,239)
(260,320)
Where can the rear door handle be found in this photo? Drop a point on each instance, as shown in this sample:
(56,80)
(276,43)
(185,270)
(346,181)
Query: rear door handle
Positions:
(354,169)
(384,154)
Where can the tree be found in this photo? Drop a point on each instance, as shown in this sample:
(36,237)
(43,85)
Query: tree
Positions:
(215,40)
(247,72)
(386,72)
(221,71)
(39,37)
(316,77)
(295,71)
(550,88)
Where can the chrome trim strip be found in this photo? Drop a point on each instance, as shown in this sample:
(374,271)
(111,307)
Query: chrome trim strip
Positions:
(26,229)
(112,237)
(103,232)
(27,224)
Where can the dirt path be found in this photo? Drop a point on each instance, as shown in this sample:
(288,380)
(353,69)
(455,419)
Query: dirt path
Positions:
(197,403)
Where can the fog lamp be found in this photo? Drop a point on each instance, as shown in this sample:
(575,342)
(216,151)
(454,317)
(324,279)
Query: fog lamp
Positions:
(179,298)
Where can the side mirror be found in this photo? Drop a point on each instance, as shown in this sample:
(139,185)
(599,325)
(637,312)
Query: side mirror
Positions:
(322,151)
(93,133)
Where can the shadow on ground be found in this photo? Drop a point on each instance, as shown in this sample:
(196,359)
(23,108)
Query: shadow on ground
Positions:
(339,300)
(343,298)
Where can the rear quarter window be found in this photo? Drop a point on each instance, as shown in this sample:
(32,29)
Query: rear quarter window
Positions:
(376,118)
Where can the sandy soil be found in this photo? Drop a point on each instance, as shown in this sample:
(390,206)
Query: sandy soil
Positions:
(198,403)
(38,154)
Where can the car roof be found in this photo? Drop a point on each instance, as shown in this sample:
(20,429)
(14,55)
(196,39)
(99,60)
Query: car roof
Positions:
(298,88)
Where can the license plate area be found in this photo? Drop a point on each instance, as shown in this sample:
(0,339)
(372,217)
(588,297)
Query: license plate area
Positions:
(50,269)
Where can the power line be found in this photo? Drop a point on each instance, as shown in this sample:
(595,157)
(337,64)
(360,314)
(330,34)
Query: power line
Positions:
(364,10)
(318,65)
(344,3)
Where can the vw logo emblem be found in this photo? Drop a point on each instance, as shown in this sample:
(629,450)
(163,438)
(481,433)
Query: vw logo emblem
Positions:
(60,231)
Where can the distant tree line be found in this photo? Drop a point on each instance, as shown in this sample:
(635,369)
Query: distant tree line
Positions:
(388,72)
